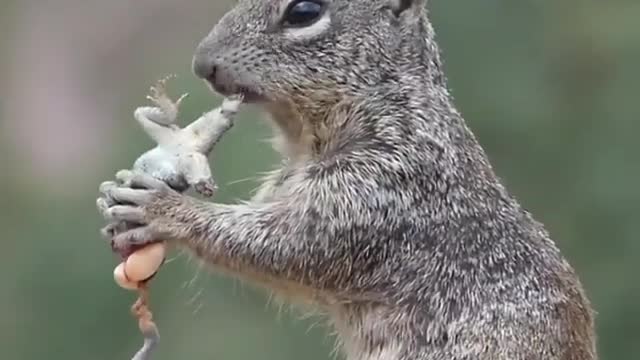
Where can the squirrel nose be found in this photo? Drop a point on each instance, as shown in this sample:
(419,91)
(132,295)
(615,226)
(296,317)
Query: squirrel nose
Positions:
(204,68)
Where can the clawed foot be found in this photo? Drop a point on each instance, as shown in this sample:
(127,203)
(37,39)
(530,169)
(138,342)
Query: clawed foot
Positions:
(166,111)
(205,188)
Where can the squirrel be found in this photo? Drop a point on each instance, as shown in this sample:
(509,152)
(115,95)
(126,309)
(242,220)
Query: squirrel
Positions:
(386,214)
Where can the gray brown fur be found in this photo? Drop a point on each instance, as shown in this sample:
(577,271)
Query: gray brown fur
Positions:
(387,214)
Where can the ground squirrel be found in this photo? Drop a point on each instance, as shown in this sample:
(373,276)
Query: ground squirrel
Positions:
(386,214)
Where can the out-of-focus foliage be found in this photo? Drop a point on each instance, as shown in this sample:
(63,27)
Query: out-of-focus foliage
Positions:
(550,88)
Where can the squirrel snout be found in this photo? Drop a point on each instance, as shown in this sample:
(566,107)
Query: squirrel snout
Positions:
(209,69)
(226,74)
(225,78)
(204,67)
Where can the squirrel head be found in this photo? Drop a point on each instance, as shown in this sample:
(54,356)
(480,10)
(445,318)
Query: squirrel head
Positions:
(317,51)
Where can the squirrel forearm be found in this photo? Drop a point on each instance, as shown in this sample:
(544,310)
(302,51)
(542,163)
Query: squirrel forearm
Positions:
(265,239)
(288,240)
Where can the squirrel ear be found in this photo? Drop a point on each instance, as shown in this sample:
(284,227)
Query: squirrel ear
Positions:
(400,6)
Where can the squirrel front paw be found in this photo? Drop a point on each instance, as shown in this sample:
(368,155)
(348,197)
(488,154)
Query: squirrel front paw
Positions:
(137,208)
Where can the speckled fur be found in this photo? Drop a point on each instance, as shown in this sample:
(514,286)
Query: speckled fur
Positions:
(387,214)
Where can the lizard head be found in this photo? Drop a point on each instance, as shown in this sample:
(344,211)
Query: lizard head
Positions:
(315,50)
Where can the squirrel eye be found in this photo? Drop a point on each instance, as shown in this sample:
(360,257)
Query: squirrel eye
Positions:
(302,13)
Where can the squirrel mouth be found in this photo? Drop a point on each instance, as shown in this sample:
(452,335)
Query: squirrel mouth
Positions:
(249,95)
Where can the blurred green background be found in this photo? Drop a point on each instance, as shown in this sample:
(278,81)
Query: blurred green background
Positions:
(550,88)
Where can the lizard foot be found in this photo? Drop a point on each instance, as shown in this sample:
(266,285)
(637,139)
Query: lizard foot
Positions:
(168,109)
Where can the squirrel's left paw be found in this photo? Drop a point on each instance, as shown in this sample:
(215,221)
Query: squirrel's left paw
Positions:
(136,207)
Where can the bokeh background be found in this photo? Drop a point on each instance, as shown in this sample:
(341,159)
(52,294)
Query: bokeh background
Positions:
(551,88)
